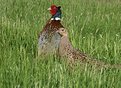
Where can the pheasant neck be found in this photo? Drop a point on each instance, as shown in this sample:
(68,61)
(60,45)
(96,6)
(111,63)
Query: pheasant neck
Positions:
(65,38)
(56,18)
(65,43)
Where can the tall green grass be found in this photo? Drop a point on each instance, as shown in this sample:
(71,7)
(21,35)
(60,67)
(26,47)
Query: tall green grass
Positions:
(94,27)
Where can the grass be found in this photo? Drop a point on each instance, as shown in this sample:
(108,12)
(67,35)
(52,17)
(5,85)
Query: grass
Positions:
(94,27)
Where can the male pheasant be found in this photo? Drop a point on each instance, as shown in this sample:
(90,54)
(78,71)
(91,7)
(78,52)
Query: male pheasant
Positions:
(48,38)
(66,50)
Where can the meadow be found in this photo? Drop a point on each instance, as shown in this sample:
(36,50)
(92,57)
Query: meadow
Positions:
(94,27)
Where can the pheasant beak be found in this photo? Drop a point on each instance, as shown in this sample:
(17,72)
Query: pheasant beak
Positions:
(49,9)
(57,31)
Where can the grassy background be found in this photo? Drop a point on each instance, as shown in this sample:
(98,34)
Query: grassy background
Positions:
(94,27)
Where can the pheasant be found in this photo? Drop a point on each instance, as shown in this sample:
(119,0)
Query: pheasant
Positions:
(66,50)
(48,38)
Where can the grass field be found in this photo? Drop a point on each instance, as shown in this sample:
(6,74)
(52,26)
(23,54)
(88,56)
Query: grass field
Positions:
(94,27)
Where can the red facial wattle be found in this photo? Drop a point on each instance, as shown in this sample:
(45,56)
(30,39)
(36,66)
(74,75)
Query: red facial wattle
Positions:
(53,10)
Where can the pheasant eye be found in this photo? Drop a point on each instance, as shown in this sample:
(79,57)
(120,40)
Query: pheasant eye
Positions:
(62,29)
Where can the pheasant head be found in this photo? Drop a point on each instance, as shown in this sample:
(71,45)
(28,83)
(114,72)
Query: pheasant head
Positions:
(62,32)
(55,11)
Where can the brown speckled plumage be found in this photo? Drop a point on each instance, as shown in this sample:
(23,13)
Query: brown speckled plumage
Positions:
(67,50)
(48,38)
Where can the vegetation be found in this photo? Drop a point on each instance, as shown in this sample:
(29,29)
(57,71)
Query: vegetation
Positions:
(94,27)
